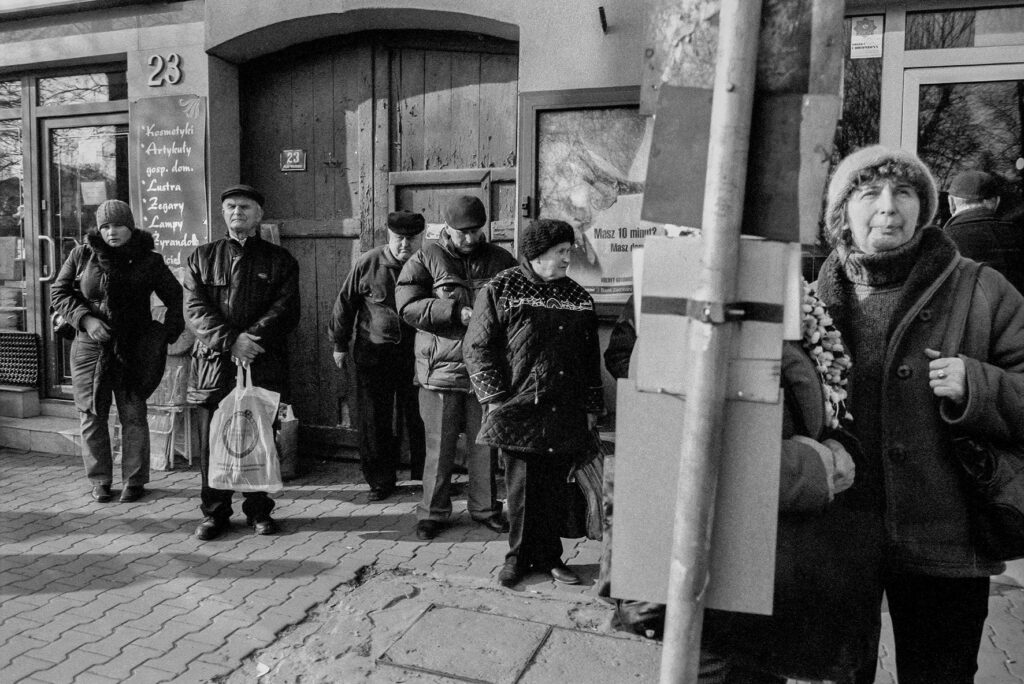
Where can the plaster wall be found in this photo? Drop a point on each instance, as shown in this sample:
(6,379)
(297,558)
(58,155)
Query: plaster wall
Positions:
(561,41)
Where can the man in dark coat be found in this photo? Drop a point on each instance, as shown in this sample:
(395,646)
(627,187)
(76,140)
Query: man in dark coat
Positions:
(978,232)
(448,406)
(383,355)
(241,300)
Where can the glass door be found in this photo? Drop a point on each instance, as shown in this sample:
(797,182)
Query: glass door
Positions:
(85,162)
(959,118)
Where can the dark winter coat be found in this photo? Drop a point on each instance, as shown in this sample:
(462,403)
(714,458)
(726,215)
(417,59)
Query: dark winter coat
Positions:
(231,289)
(532,345)
(420,307)
(982,236)
(439,362)
(115,286)
(366,306)
(925,509)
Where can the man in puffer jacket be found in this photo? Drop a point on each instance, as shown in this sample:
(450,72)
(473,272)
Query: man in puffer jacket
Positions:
(447,405)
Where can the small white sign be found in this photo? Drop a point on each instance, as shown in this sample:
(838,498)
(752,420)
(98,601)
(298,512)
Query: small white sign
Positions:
(866,37)
(433,231)
(94,192)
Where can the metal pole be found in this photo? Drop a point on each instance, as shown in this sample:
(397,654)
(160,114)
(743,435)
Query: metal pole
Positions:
(709,342)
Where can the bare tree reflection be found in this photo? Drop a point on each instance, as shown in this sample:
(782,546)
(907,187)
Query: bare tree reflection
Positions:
(936,30)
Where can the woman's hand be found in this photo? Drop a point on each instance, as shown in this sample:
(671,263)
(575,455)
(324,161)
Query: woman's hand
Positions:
(947,376)
(845,470)
(96,329)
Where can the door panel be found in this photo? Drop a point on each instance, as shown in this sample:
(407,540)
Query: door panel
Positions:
(961,118)
(363,106)
(86,164)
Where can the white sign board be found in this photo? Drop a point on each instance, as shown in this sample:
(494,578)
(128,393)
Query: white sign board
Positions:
(866,37)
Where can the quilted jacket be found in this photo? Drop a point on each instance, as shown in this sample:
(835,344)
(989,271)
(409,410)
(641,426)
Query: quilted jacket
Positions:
(421,307)
(232,288)
(532,346)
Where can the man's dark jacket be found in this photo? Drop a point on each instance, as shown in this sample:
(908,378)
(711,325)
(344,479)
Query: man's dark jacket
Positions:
(231,289)
(980,235)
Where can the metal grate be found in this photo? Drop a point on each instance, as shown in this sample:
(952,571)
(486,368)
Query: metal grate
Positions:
(19,358)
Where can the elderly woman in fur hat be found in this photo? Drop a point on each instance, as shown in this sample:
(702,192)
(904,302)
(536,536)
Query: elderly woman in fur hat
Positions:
(891,283)
(103,290)
(533,357)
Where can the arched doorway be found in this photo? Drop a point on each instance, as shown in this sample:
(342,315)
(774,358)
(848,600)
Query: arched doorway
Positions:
(383,119)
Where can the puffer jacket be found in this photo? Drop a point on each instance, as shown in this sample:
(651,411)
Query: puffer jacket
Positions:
(115,286)
(231,289)
(421,308)
(439,363)
(532,345)
(925,508)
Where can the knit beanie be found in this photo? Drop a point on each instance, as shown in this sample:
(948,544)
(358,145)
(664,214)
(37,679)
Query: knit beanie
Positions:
(870,163)
(541,235)
(116,212)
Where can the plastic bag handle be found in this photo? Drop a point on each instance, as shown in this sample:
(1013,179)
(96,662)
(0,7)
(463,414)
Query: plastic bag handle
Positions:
(243,376)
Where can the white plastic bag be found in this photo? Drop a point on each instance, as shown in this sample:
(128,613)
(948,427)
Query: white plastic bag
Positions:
(243,457)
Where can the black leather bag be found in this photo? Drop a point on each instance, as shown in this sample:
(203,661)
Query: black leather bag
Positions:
(993,473)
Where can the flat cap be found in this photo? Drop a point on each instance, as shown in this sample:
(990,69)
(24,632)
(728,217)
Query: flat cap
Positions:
(465,212)
(974,185)
(243,190)
(406,223)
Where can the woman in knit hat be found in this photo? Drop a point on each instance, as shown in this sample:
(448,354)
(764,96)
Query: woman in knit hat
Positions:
(890,285)
(103,290)
(533,358)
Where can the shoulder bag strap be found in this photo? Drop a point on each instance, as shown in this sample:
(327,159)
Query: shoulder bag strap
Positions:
(961,308)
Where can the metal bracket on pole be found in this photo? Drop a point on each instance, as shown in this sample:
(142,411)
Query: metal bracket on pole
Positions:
(712,313)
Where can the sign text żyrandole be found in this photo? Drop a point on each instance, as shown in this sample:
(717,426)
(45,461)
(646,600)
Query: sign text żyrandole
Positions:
(168,135)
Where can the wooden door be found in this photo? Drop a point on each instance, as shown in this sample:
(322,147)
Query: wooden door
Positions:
(362,107)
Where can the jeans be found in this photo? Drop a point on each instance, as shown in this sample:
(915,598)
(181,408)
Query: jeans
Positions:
(445,415)
(216,503)
(131,410)
(536,511)
(387,399)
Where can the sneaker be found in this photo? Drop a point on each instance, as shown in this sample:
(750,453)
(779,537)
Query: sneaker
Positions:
(210,529)
(101,493)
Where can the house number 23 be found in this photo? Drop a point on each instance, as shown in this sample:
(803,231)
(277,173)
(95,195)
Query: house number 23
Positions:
(164,70)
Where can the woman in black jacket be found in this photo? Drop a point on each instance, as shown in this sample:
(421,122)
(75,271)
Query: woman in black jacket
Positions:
(103,290)
(533,357)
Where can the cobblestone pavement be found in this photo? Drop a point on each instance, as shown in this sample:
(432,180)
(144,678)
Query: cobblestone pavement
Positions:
(124,593)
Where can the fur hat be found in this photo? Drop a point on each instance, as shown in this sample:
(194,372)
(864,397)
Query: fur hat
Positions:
(869,163)
(541,235)
(465,212)
(974,185)
(116,212)
(406,223)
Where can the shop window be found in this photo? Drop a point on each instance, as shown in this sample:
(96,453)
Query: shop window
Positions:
(12,237)
(10,96)
(936,30)
(862,97)
(83,88)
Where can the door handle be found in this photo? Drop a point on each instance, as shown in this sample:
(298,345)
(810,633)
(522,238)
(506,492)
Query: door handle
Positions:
(51,249)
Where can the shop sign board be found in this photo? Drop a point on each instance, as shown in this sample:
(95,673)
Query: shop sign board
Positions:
(167,137)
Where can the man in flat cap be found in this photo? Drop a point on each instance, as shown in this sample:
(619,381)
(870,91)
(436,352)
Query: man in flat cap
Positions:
(447,403)
(382,352)
(241,300)
(978,231)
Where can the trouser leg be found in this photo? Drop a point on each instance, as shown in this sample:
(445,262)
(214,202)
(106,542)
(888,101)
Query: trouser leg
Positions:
(96,456)
(441,413)
(545,509)
(378,446)
(483,490)
(214,503)
(407,399)
(937,626)
(131,411)
(257,505)
(515,484)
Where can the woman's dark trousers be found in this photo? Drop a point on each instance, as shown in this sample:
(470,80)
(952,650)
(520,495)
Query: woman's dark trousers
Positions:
(536,486)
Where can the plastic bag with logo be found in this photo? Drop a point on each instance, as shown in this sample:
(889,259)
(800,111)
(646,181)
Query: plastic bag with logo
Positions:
(243,457)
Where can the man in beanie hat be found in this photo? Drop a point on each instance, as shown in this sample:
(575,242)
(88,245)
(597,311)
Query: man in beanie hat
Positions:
(383,356)
(978,231)
(892,286)
(447,405)
(241,301)
(534,358)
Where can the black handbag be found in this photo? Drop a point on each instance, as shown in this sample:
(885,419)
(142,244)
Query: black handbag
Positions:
(585,495)
(993,473)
